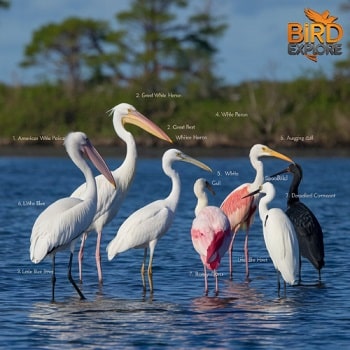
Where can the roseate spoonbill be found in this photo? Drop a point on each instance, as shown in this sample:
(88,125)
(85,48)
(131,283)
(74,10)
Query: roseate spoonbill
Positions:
(147,225)
(109,200)
(210,232)
(64,221)
(307,228)
(280,237)
(239,209)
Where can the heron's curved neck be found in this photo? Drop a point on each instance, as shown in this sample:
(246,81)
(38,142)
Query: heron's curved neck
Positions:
(294,190)
(174,195)
(259,177)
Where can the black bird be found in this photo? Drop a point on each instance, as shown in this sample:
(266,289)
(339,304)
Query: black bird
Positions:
(308,229)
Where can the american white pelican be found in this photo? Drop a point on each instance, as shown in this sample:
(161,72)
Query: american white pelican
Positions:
(109,200)
(147,225)
(64,221)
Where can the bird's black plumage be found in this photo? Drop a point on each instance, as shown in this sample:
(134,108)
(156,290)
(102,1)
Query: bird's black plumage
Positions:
(307,227)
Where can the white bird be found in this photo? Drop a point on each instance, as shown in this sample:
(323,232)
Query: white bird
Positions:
(210,232)
(147,225)
(280,237)
(239,208)
(64,221)
(110,200)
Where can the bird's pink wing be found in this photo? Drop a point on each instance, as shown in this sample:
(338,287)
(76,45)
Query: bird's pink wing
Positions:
(239,210)
(211,235)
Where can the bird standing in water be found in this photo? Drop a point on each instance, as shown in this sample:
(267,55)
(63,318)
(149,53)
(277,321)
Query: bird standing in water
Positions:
(280,237)
(239,208)
(307,227)
(147,225)
(210,232)
(109,200)
(64,221)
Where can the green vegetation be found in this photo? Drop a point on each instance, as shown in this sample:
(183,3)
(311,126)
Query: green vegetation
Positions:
(251,112)
(165,68)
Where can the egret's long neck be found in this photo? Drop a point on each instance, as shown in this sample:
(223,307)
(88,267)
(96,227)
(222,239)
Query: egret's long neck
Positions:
(259,177)
(127,168)
(202,202)
(263,209)
(174,195)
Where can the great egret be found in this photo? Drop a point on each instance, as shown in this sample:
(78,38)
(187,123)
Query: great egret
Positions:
(307,227)
(240,209)
(147,225)
(110,200)
(280,237)
(210,232)
(64,221)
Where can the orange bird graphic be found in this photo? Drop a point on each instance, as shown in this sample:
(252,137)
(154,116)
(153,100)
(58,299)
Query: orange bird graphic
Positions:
(316,17)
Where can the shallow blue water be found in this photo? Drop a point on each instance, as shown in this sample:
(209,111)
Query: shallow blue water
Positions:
(178,315)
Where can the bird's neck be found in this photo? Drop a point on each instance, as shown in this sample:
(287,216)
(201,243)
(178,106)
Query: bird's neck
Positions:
(127,168)
(259,177)
(293,194)
(263,208)
(202,202)
(90,190)
(174,195)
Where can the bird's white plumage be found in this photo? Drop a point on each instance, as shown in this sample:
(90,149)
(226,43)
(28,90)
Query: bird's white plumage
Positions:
(280,237)
(239,208)
(282,245)
(109,199)
(147,225)
(153,220)
(60,224)
(66,219)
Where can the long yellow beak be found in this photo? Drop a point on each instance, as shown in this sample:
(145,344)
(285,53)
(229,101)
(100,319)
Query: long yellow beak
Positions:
(185,158)
(138,119)
(273,153)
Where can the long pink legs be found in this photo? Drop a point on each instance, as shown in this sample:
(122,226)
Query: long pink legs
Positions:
(97,257)
(246,253)
(81,256)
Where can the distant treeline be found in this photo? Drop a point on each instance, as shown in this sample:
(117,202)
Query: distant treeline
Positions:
(305,112)
(166,68)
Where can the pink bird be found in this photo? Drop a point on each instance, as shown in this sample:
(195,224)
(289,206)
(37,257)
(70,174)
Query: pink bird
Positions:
(239,210)
(210,232)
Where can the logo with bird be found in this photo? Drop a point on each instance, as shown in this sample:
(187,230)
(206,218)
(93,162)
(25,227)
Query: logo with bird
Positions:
(319,37)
